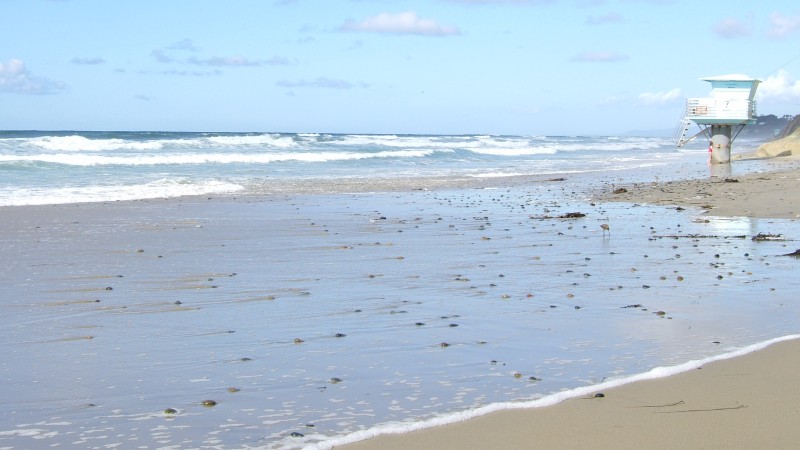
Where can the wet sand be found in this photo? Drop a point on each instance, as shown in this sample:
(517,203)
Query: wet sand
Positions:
(746,402)
(741,403)
(125,310)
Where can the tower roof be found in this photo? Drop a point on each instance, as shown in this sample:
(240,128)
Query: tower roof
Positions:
(731,77)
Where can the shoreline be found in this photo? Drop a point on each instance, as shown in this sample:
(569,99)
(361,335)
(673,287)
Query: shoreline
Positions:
(106,274)
(743,401)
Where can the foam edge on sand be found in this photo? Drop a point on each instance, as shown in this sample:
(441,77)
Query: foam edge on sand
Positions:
(550,400)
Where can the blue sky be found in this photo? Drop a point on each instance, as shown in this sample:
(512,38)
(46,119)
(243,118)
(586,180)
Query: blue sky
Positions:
(525,67)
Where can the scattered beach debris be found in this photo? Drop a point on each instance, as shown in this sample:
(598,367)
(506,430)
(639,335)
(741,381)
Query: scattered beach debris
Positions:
(296,434)
(620,191)
(569,215)
(636,305)
(336,380)
(170,411)
(698,236)
(731,180)
(208,403)
(794,254)
(233,390)
(557,179)
(768,237)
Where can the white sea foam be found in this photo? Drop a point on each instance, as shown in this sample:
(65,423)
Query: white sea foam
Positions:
(271,140)
(658,372)
(80,143)
(164,188)
(79,159)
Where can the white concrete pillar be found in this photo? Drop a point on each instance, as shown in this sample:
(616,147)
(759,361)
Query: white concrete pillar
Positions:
(720,151)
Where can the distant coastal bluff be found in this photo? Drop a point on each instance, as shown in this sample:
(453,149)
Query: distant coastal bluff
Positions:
(786,144)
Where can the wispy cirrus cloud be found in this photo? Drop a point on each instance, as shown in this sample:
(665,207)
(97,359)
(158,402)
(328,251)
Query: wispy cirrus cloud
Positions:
(321,82)
(601,56)
(661,98)
(15,78)
(732,28)
(88,61)
(238,61)
(781,26)
(408,22)
(176,53)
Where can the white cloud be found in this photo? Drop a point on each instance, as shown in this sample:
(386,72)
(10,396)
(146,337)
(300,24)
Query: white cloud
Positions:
(401,23)
(15,78)
(599,57)
(780,87)
(88,61)
(731,28)
(781,26)
(661,98)
(611,101)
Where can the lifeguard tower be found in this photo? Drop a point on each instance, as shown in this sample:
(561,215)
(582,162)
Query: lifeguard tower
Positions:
(722,115)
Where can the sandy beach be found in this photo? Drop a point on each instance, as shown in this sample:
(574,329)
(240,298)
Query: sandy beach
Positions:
(759,195)
(284,321)
(746,402)
(741,403)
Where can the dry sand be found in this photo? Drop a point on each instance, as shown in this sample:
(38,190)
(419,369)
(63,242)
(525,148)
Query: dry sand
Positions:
(747,402)
(786,146)
(766,195)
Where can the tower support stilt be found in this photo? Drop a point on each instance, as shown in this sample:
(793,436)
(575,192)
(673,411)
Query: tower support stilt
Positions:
(720,151)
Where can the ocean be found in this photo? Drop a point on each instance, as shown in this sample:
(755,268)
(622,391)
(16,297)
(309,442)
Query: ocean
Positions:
(72,167)
(316,289)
